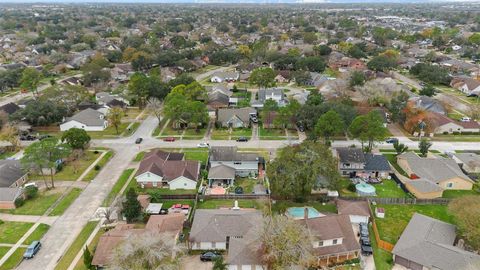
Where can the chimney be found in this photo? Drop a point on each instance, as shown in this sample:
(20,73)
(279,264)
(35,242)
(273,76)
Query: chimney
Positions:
(305,213)
(235,207)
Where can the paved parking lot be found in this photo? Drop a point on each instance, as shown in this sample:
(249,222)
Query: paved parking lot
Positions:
(194,263)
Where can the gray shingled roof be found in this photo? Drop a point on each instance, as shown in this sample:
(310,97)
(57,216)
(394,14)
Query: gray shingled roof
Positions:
(264,93)
(230,153)
(429,242)
(424,185)
(224,115)
(376,163)
(10,171)
(9,194)
(349,154)
(89,117)
(470,159)
(221,172)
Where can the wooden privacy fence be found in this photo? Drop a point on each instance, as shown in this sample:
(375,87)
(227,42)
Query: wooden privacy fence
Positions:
(380,243)
(214,197)
(439,201)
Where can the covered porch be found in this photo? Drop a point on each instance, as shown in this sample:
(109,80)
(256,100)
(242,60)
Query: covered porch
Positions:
(221,175)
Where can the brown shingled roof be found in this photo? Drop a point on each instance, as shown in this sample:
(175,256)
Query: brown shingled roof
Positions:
(169,165)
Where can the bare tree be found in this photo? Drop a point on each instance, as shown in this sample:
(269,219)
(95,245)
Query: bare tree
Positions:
(148,250)
(155,106)
(285,246)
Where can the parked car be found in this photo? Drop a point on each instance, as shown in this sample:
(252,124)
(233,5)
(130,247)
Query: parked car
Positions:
(363,230)
(32,249)
(27,137)
(465,119)
(242,139)
(254,119)
(366,249)
(209,256)
(138,140)
(169,139)
(365,241)
(301,128)
(203,145)
(392,140)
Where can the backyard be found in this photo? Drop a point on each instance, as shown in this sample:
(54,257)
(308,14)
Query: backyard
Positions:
(389,189)
(215,204)
(397,217)
(280,207)
(383,259)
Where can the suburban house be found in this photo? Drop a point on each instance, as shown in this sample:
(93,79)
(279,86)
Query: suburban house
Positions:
(217,100)
(236,231)
(10,108)
(221,175)
(104,98)
(235,118)
(429,244)
(274,94)
(352,162)
(316,79)
(467,85)
(444,124)
(333,238)
(167,170)
(358,211)
(8,195)
(245,164)
(171,225)
(429,104)
(430,176)
(220,77)
(12,178)
(469,162)
(88,119)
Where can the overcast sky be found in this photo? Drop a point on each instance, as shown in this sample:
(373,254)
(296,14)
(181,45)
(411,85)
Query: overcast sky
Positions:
(230,1)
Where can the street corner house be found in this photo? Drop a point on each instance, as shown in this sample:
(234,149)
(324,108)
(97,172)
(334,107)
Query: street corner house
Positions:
(167,170)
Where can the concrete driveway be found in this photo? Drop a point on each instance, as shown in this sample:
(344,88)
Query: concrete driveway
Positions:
(193,263)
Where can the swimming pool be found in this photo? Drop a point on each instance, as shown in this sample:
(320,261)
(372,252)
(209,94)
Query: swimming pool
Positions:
(299,212)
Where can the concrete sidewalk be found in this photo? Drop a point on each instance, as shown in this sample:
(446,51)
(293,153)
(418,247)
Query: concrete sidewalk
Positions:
(27,218)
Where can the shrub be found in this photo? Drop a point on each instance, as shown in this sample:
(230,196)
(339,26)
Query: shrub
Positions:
(31,192)
(95,152)
(19,202)
(351,187)
(97,167)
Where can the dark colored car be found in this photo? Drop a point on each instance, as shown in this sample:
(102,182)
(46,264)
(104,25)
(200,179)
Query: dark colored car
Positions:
(32,249)
(209,256)
(169,139)
(392,140)
(242,139)
(366,250)
(138,140)
(364,230)
(27,137)
(254,119)
(365,241)
(301,128)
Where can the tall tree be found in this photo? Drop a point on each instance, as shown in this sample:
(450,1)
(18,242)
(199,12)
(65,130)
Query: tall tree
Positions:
(43,155)
(114,117)
(30,79)
(77,138)
(400,147)
(467,214)
(263,77)
(329,124)
(138,87)
(368,128)
(131,206)
(296,169)
(423,146)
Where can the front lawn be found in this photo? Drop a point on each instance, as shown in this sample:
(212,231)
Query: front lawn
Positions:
(220,134)
(37,234)
(13,261)
(76,246)
(72,170)
(93,172)
(66,202)
(452,194)
(280,207)
(194,134)
(199,154)
(241,132)
(216,204)
(132,129)
(139,156)
(109,132)
(118,186)
(397,217)
(389,189)
(168,131)
(38,205)
(271,134)
(12,231)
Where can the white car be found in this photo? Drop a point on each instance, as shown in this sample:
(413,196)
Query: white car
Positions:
(465,119)
(203,145)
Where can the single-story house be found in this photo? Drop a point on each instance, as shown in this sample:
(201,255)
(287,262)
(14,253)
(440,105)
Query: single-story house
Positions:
(171,224)
(10,108)
(235,118)
(352,162)
(236,231)
(221,175)
(245,164)
(443,172)
(333,238)
(467,85)
(428,243)
(424,188)
(88,119)
(217,100)
(220,77)
(169,170)
(358,211)
(470,162)
(444,124)
(12,174)
(8,195)
(274,94)
(429,104)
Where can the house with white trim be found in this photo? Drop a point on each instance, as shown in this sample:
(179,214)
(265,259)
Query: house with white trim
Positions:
(88,119)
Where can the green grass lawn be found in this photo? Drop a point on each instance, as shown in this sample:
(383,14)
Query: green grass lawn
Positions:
(246,183)
(220,134)
(93,172)
(170,132)
(109,132)
(343,186)
(6,154)
(383,259)
(14,259)
(397,217)
(279,207)
(193,134)
(271,134)
(38,205)
(389,189)
(451,194)
(66,202)
(241,132)
(11,231)
(70,172)
(132,129)
(392,158)
(3,251)
(139,156)
(37,234)
(199,154)
(118,186)
(456,138)
(76,246)
(215,204)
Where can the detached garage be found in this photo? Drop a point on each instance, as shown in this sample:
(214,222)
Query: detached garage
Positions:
(358,211)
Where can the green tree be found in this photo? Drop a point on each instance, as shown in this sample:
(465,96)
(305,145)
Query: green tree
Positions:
(41,113)
(400,147)
(397,106)
(77,138)
(428,90)
(467,214)
(423,146)
(44,155)
(368,128)
(31,77)
(263,77)
(88,258)
(131,206)
(114,117)
(382,63)
(138,86)
(322,50)
(329,124)
(357,78)
(287,113)
(295,170)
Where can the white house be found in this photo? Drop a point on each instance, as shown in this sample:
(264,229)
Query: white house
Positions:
(88,119)
(219,77)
